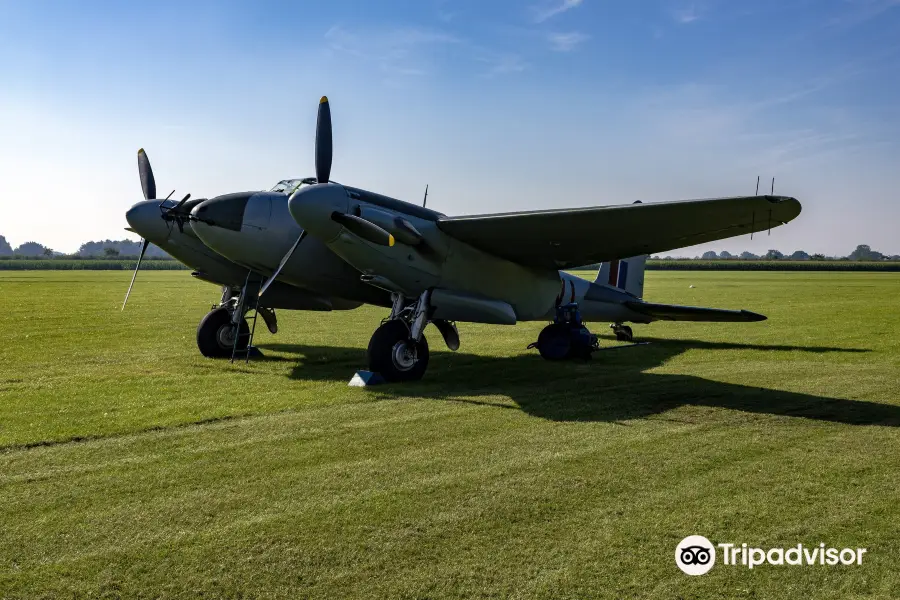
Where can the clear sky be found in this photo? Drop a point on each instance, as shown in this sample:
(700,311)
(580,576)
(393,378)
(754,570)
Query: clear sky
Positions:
(498,105)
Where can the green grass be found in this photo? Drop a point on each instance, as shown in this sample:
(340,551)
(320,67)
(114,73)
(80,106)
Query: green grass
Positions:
(133,467)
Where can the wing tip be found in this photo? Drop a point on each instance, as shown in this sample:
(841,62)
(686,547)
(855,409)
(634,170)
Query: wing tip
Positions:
(789,208)
(752,316)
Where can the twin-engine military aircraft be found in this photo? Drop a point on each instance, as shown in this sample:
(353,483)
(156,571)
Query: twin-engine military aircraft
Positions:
(314,244)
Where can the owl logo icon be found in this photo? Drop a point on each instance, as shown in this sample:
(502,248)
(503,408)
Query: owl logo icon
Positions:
(695,555)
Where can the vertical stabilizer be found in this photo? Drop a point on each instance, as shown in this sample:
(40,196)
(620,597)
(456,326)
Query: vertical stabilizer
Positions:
(626,274)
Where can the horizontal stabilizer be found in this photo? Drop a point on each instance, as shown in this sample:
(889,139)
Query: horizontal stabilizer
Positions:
(672,312)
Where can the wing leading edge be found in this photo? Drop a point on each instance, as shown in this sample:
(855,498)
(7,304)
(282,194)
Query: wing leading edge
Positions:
(566,238)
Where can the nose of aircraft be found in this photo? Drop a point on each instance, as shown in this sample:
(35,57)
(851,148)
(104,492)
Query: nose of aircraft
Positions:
(146,220)
(312,206)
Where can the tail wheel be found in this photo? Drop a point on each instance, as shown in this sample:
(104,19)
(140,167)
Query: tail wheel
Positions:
(624,334)
(394,355)
(215,334)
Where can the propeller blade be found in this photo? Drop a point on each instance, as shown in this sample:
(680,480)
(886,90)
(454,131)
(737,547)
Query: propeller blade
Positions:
(367,230)
(133,277)
(148,183)
(323,142)
(283,262)
(180,204)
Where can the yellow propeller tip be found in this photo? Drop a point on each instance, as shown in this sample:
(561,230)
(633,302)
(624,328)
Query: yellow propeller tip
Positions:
(140,151)
(323,100)
(390,240)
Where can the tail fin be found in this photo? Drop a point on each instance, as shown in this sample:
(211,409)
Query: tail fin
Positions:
(626,274)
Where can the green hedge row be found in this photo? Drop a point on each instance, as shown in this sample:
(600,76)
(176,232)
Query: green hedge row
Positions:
(771,265)
(63,264)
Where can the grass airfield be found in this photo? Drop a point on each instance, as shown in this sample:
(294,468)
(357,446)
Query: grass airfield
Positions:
(130,466)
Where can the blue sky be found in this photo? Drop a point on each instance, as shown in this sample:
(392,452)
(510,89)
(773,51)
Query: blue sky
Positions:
(498,105)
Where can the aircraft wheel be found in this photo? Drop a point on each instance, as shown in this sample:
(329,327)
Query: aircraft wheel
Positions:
(624,334)
(215,334)
(394,355)
(555,342)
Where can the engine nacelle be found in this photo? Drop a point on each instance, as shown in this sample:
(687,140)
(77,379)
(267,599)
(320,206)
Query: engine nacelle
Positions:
(402,230)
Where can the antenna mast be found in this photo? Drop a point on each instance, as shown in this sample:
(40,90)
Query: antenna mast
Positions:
(425,200)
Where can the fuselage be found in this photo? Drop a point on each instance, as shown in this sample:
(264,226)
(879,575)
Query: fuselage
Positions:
(232,234)
(255,230)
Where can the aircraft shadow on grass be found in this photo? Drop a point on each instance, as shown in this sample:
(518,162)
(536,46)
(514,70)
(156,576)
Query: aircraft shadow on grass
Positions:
(613,386)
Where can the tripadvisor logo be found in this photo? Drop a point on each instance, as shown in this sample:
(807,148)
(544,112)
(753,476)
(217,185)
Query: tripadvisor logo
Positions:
(696,555)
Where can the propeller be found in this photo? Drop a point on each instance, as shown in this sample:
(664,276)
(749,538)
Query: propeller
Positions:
(180,217)
(324,151)
(148,182)
(138,266)
(148,185)
(324,148)
(363,228)
(356,225)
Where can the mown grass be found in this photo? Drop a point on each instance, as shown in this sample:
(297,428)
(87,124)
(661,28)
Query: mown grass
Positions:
(133,467)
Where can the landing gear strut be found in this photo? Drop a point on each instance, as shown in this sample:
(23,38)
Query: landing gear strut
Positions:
(398,349)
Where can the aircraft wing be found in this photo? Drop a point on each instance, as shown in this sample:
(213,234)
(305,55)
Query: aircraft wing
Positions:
(566,238)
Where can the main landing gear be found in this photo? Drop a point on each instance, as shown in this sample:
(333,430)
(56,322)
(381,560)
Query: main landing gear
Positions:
(224,332)
(216,334)
(398,349)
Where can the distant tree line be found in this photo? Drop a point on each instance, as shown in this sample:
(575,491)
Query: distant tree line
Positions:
(108,249)
(112,249)
(863,252)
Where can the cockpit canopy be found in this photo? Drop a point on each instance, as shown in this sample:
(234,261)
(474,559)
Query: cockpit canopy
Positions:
(289,186)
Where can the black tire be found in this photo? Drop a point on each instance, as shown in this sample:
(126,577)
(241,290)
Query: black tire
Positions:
(555,342)
(624,334)
(213,335)
(386,358)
